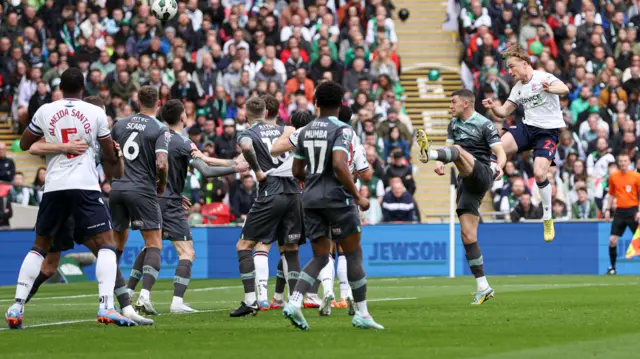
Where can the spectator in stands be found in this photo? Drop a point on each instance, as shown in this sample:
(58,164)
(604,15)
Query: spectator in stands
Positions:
(38,183)
(598,161)
(21,194)
(195,216)
(398,204)
(374,214)
(525,209)
(398,168)
(559,209)
(395,141)
(243,198)
(584,208)
(384,129)
(7,166)
(225,145)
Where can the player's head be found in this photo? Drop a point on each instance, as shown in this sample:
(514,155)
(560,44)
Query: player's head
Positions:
(623,162)
(172,112)
(462,103)
(345,114)
(518,62)
(300,119)
(256,110)
(95,100)
(72,83)
(272,105)
(328,98)
(148,99)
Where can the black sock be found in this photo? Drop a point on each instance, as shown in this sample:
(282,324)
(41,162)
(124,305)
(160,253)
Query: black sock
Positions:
(309,276)
(136,271)
(280,278)
(613,255)
(120,290)
(293,269)
(151,267)
(41,278)
(448,154)
(474,258)
(247,271)
(356,275)
(182,277)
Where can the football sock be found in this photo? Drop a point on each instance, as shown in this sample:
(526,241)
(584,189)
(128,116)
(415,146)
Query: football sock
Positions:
(136,271)
(545,198)
(357,280)
(474,258)
(261,264)
(326,276)
(28,273)
(314,288)
(248,276)
(292,261)
(446,154)
(42,277)
(345,290)
(613,254)
(308,278)
(280,280)
(182,277)
(106,271)
(121,291)
(151,267)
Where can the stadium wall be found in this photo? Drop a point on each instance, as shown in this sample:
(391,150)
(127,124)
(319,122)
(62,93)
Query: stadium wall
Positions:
(389,250)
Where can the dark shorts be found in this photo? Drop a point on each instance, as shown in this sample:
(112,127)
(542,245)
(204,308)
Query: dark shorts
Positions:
(275,218)
(542,141)
(473,188)
(140,210)
(622,219)
(334,223)
(86,208)
(66,239)
(174,222)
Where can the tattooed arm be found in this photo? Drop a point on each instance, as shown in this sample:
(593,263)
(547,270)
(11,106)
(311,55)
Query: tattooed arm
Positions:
(249,153)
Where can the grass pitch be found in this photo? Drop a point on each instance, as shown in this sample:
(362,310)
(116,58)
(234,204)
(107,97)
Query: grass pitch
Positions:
(531,317)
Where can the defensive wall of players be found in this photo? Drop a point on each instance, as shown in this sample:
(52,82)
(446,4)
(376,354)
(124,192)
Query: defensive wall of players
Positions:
(389,250)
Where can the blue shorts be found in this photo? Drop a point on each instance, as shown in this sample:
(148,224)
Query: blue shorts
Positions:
(87,209)
(542,141)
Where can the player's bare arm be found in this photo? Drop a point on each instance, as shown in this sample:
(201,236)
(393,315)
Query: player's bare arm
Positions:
(249,153)
(501,111)
(110,159)
(298,169)
(556,87)
(282,144)
(498,150)
(28,139)
(341,169)
(115,170)
(365,175)
(162,170)
(74,147)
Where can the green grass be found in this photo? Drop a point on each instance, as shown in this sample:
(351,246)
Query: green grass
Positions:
(531,317)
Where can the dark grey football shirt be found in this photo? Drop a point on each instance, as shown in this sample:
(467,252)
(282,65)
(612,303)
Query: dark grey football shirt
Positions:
(179,159)
(475,135)
(316,143)
(140,137)
(263,135)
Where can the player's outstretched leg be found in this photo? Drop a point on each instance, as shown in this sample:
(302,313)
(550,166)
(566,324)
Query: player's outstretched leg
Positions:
(136,272)
(26,277)
(186,256)
(358,282)
(445,154)
(346,298)
(327,277)
(261,263)
(278,295)
(248,276)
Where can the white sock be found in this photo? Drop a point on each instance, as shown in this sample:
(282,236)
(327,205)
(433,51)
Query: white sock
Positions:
(177,300)
(144,294)
(433,155)
(261,262)
(482,283)
(345,289)
(362,308)
(545,196)
(249,298)
(106,269)
(28,273)
(296,299)
(278,296)
(326,276)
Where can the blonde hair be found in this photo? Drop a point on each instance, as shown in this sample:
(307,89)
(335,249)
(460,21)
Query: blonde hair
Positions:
(516,51)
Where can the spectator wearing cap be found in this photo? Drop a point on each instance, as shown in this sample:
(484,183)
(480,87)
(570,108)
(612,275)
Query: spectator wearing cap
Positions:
(398,167)
(195,135)
(478,16)
(530,29)
(300,83)
(225,144)
(384,129)
(183,89)
(398,205)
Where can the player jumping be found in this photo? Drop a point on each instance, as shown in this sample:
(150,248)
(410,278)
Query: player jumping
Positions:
(144,142)
(276,212)
(471,138)
(329,201)
(71,190)
(539,93)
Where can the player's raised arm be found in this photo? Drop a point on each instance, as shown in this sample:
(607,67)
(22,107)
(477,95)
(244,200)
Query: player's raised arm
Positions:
(283,143)
(162,158)
(503,111)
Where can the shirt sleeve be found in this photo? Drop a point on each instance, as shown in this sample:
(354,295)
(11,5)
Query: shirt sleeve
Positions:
(513,95)
(360,159)
(293,139)
(103,126)
(342,142)
(491,134)
(612,189)
(36,124)
(450,133)
(550,78)
(163,139)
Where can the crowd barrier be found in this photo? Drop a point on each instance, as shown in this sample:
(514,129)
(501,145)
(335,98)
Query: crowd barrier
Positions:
(389,250)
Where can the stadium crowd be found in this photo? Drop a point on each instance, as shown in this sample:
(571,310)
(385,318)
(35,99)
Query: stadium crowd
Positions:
(214,55)
(592,47)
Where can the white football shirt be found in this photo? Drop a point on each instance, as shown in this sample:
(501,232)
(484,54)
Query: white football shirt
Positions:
(541,109)
(60,122)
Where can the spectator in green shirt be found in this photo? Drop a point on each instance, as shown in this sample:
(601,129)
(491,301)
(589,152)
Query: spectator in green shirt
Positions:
(584,208)
(581,103)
